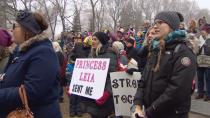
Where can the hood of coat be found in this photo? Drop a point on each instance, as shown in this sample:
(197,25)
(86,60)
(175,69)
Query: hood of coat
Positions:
(25,46)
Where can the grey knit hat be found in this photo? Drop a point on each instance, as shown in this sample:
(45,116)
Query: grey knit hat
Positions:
(170,17)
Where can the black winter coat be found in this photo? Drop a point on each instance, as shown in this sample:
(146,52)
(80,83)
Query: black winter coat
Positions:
(132,53)
(167,92)
(80,51)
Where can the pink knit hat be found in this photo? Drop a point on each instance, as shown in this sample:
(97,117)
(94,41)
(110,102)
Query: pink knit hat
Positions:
(5,38)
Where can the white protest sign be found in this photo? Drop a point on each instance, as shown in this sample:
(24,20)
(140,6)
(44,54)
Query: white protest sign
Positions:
(203,61)
(202,41)
(124,88)
(89,77)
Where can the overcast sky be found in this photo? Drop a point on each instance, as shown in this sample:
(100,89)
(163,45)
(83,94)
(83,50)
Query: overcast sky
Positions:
(203,3)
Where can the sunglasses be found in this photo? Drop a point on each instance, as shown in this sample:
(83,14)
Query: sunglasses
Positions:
(158,22)
(14,26)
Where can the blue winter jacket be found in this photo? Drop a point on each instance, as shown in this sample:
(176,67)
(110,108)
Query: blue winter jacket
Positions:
(35,65)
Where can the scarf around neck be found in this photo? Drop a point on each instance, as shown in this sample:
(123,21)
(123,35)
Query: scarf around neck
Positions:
(175,35)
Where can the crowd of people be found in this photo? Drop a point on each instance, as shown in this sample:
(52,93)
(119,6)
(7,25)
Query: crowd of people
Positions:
(165,52)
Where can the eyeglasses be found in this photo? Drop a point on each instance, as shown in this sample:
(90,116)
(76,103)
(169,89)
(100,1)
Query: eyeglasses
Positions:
(14,26)
(158,22)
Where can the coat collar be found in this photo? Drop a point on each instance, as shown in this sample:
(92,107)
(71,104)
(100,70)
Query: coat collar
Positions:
(25,45)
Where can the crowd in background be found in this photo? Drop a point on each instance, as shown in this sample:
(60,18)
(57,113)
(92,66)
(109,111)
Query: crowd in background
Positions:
(33,61)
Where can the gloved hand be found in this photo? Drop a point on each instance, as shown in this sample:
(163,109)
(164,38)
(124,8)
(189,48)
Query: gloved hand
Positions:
(131,70)
(103,99)
(150,112)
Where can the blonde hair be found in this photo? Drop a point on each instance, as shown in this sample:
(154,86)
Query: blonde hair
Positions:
(56,47)
(146,36)
(95,52)
(118,45)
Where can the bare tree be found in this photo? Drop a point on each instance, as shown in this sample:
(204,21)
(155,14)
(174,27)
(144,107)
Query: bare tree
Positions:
(93,5)
(127,16)
(3,16)
(76,20)
(114,9)
(100,14)
(60,5)
(50,12)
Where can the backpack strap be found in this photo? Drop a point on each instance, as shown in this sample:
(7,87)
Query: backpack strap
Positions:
(176,49)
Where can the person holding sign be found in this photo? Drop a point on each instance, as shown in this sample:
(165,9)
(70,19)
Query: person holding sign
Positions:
(204,72)
(104,106)
(165,87)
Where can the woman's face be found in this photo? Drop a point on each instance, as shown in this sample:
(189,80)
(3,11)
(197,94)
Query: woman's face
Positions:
(78,40)
(18,33)
(151,34)
(95,42)
(181,26)
(139,34)
(204,34)
(162,29)
(201,22)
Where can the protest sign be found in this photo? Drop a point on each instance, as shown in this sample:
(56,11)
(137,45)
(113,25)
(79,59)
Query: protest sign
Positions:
(203,61)
(124,87)
(89,77)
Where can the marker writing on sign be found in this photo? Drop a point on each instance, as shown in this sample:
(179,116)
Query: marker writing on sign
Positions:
(124,82)
(124,99)
(87,77)
(89,91)
(77,88)
(91,64)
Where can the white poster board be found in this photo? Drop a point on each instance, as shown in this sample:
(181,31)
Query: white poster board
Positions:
(202,41)
(203,61)
(89,77)
(124,88)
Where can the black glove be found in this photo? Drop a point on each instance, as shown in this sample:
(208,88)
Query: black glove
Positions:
(150,112)
(131,70)
(137,116)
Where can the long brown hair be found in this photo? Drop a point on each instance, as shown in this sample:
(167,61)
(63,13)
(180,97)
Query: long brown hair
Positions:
(160,54)
(4,52)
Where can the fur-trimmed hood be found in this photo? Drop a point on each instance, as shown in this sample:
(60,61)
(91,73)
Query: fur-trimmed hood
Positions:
(25,45)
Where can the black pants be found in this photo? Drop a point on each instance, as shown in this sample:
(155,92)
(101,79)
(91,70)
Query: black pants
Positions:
(75,104)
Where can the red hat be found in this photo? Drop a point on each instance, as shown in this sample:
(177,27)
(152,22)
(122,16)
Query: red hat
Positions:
(206,28)
(5,38)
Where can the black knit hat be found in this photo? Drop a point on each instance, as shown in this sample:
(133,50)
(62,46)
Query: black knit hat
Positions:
(130,40)
(26,19)
(170,17)
(102,37)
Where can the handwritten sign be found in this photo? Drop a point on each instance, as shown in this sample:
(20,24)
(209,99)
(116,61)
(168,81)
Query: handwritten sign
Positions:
(124,87)
(89,77)
(203,61)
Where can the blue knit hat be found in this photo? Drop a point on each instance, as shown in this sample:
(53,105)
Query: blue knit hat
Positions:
(26,19)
